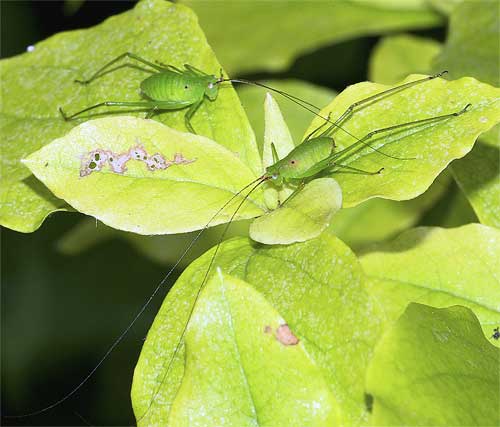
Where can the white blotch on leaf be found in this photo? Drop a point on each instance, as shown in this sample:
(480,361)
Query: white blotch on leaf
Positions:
(95,160)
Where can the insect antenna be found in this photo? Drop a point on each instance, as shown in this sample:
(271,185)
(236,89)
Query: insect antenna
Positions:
(308,106)
(260,180)
(143,308)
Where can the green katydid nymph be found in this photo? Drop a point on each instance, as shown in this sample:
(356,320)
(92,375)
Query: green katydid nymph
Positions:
(171,88)
(168,88)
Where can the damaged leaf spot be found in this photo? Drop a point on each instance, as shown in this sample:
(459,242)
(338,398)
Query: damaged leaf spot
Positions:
(95,160)
(283,334)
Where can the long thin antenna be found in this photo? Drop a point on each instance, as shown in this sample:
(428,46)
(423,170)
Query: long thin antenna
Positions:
(144,306)
(200,288)
(304,104)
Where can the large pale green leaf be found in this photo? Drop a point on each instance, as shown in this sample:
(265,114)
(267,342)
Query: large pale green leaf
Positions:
(439,267)
(377,219)
(303,217)
(183,197)
(246,37)
(36,83)
(240,353)
(435,368)
(395,57)
(297,118)
(316,286)
(473,49)
(429,147)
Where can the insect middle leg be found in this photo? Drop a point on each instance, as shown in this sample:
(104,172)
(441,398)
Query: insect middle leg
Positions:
(146,105)
(189,114)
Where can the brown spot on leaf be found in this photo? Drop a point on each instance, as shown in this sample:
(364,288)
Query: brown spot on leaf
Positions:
(285,335)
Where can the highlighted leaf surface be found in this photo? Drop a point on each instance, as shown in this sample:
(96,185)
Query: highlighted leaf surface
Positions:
(239,374)
(435,368)
(429,147)
(36,83)
(316,286)
(439,267)
(301,218)
(182,197)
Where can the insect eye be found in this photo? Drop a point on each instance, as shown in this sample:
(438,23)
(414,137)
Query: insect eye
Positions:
(274,176)
(210,85)
(185,87)
(292,162)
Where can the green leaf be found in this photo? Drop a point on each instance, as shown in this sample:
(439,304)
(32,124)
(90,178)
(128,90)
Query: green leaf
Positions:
(277,134)
(316,286)
(471,48)
(394,57)
(429,147)
(435,368)
(183,197)
(249,40)
(377,219)
(444,6)
(439,267)
(298,119)
(237,354)
(302,217)
(477,176)
(36,83)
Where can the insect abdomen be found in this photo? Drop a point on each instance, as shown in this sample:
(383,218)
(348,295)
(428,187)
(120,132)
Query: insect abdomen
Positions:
(174,87)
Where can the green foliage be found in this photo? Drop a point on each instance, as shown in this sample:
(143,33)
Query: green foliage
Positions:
(236,352)
(141,200)
(317,288)
(215,354)
(427,356)
(472,49)
(438,267)
(303,26)
(36,83)
(397,56)
(430,147)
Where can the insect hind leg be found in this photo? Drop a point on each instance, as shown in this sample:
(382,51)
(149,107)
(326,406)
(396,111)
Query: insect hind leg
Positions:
(105,68)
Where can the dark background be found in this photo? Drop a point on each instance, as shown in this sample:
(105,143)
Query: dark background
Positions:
(60,313)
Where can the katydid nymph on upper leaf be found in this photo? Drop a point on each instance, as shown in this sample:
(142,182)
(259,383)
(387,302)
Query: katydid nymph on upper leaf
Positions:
(171,88)
(168,88)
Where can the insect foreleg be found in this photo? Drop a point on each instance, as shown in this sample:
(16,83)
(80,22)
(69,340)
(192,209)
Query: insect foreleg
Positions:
(104,69)
(189,115)
(297,190)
